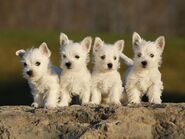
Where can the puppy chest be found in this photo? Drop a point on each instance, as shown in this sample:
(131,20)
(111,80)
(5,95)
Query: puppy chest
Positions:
(143,84)
(104,86)
(74,88)
(75,85)
(41,89)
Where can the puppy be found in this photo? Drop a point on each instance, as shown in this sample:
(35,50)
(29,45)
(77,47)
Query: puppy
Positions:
(76,78)
(106,80)
(43,78)
(143,76)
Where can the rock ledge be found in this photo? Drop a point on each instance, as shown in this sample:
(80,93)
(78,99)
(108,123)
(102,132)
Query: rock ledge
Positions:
(146,121)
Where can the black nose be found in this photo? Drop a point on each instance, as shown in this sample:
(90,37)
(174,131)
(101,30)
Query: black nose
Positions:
(144,63)
(30,73)
(68,64)
(109,65)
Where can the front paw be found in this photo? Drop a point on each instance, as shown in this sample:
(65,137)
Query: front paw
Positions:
(86,104)
(155,101)
(50,106)
(117,103)
(62,104)
(134,104)
(134,101)
(35,105)
(93,103)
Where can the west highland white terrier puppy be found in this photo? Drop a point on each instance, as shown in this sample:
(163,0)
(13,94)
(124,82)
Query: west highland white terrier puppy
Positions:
(76,78)
(106,80)
(143,76)
(43,78)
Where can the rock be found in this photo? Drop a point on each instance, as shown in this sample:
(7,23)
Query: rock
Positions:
(86,122)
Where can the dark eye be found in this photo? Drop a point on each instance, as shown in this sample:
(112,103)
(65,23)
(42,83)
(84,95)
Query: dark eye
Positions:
(139,55)
(115,57)
(37,63)
(24,64)
(77,57)
(103,57)
(151,55)
(64,56)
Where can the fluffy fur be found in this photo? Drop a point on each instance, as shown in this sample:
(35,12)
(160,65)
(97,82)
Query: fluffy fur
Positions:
(143,76)
(75,80)
(106,80)
(43,78)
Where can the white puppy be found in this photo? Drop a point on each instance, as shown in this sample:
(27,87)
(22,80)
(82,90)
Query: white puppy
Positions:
(106,80)
(75,80)
(143,76)
(42,77)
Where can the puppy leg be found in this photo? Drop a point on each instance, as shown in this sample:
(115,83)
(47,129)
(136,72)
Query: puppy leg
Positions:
(106,100)
(115,95)
(124,99)
(133,95)
(65,99)
(85,96)
(96,96)
(52,98)
(154,94)
(38,100)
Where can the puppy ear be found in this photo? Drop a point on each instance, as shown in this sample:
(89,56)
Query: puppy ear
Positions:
(43,48)
(120,45)
(135,39)
(97,44)
(160,41)
(20,53)
(63,39)
(86,43)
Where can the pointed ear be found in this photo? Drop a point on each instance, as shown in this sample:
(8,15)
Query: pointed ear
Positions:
(120,45)
(160,41)
(43,48)
(135,39)
(63,39)
(97,44)
(20,53)
(86,43)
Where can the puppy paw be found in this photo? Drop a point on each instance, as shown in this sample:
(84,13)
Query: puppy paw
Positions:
(35,105)
(62,105)
(155,101)
(93,103)
(133,104)
(117,103)
(86,104)
(49,106)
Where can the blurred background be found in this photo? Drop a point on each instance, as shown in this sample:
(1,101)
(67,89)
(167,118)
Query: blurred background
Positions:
(25,24)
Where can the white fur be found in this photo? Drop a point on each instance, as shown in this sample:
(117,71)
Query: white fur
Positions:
(142,79)
(106,82)
(75,79)
(44,81)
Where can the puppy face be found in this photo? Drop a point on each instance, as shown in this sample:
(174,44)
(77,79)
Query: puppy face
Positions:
(147,54)
(74,55)
(35,61)
(106,56)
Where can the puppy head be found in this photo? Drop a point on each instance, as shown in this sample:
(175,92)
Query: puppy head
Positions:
(74,55)
(106,56)
(147,54)
(35,61)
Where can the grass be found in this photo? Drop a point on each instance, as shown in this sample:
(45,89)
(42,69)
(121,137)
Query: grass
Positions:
(173,67)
